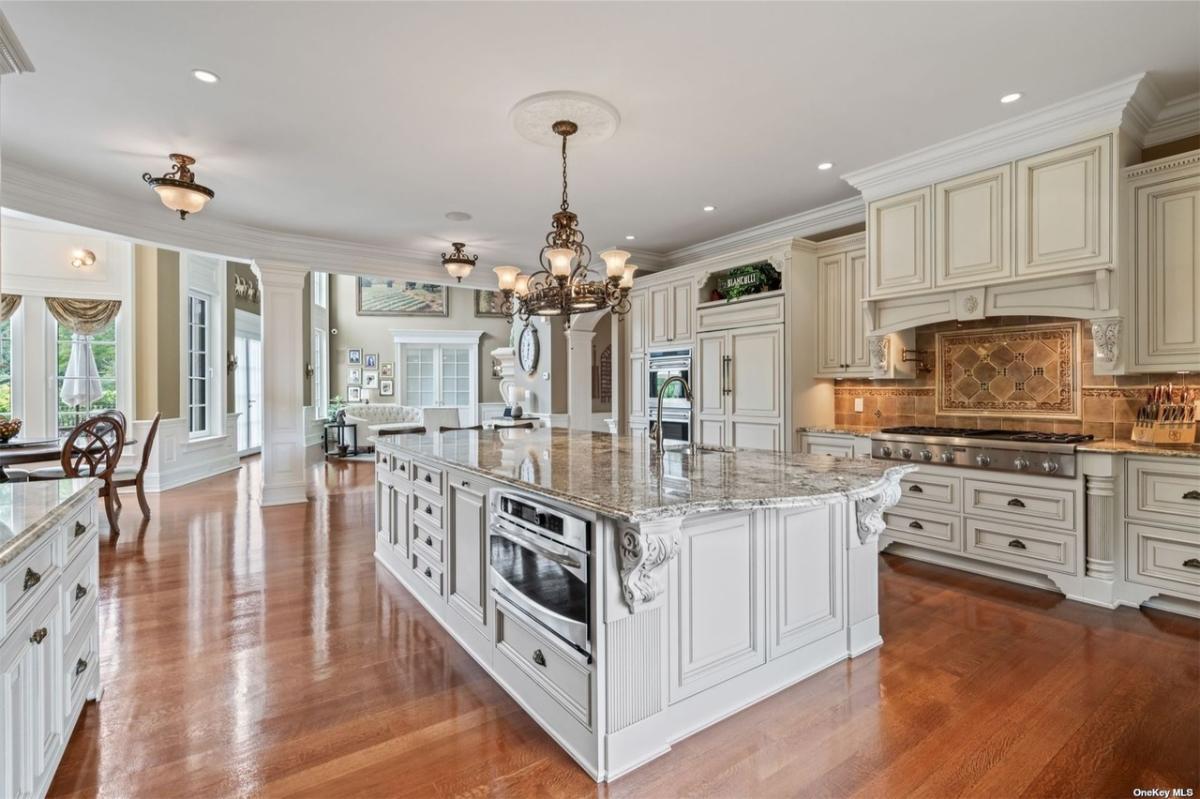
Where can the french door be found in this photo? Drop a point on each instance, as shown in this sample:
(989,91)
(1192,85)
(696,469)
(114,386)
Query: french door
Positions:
(248,391)
(437,375)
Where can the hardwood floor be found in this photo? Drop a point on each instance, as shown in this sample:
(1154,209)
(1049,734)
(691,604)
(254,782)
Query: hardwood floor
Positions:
(251,652)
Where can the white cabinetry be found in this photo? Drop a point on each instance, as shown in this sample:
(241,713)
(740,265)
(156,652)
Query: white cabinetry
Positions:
(741,387)
(1162,528)
(972,228)
(637,321)
(841,323)
(898,251)
(670,308)
(1164,218)
(804,584)
(466,589)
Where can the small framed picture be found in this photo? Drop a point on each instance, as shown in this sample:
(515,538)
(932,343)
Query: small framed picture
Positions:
(370,378)
(386,388)
(354,377)
(385,370)
(371,360)
(354,357)
(353,394)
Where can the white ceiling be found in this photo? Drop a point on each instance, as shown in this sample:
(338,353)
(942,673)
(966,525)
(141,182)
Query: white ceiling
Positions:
(368,122)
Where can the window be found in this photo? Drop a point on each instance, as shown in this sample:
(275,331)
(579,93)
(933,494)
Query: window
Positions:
(320,289)
(436,375)
(199,380)
(6,368)
(420,383)
(320,386)
(85,396)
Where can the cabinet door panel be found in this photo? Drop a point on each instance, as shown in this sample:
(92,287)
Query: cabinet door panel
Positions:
(898,233)
(1064,208)
(712,432)
(682,307)
(805,578)
(637,321)
(757,372)
(467,575)
(637,387)
(755,435)
(831,311)
(48,686)
(399,521)
(973,228)
(1167,273)
(16,717)
(856,321)
(709,395)
(660,315)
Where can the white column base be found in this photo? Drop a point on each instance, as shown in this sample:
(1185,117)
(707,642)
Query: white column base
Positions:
(277,494)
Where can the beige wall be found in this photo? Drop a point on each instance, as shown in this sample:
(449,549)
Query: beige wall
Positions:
(550,392)
(373,334)
(156,333)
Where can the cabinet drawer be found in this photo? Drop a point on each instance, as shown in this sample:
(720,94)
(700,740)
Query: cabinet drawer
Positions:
(430,544)
(427,572)
(557,670)
(1054,507)
(79,586)
(941,531)
(30,578)
(428,511)
(80,662)
(1044,550)
(935,491)
(1164,558)
(1163,490)
(80,529)
(427,478)
(837,446)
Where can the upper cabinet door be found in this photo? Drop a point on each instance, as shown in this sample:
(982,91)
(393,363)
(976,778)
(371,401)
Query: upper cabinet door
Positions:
(713,374)
(754,376)
(972,228)
(637,387)
(660,315)
(682,307)
(857,359)
(637,321)
(831,311)
(1064,208)
(898,243)
(1166,269)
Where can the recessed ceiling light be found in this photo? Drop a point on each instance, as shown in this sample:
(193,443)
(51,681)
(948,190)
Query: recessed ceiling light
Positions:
(204,76)
(708,209)
(458,216)
(630,238)
(1011,98)
(824,165)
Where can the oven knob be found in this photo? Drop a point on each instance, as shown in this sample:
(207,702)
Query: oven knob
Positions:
(982,460)
(906,453)
(885,451)
(948,456)
(1049,466)
(1021,463)
(926,455)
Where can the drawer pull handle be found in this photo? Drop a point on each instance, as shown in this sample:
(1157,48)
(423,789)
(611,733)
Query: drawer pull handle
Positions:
(429,572)
(39,635)
(428,479)
(80,529)
(466,484)
(916,489)
(402,468)
(1015,503)
(916,525)
(1193,494)
(32,578)
(429,509)
(429,541)
(80,592)
(1192,563)
(1017,543)
(539,658)
(80,666)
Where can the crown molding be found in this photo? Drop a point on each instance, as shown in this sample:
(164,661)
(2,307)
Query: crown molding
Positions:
(40,194)
(796,226)
(13,57)
(1132,104)
(1178,119)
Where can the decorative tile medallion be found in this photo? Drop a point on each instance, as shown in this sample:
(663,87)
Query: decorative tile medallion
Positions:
(1016,371)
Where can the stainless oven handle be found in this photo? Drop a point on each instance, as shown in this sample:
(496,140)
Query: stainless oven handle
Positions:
(529,543)
(670,363)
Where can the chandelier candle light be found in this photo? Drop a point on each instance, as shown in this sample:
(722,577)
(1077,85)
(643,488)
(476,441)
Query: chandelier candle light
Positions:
(561,286)
(178,189)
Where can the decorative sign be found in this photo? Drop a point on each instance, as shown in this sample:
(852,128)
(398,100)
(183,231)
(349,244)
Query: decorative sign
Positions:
(742,281)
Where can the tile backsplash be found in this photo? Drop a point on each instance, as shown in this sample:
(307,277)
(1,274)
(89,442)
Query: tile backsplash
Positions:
(1106,405)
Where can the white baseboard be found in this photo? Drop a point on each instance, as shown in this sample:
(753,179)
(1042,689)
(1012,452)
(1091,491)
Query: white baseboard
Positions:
(176,460)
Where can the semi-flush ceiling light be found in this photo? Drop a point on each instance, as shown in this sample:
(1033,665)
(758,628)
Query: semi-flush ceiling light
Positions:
(708,209)
(458,263)
(1011,98)
(81,258)
(178,189)
(205,76)
(825,165)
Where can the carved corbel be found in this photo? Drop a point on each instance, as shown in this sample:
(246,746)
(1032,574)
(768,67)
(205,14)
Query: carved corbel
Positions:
(1106,344)
(870,509)
(877,349)
(644,553)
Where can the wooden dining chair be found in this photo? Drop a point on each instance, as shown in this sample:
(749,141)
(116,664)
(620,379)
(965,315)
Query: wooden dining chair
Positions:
(93,449)
(134,476)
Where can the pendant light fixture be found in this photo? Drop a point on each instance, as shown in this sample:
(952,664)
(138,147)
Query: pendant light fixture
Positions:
(178,189)
(561,286)
(458,263)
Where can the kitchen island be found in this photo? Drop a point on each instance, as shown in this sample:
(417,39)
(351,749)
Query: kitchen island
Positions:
(627,598)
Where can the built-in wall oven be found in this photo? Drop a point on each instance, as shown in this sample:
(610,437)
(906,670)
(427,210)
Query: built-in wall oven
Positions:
(677,408)
(540,558)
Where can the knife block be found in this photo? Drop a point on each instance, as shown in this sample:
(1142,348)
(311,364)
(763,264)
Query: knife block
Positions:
(1164,433)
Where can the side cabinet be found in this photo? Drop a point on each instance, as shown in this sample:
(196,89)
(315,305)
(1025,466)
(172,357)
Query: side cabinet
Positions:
(804,581)
(972,228)
(467,583)
(898,249)
(841,323)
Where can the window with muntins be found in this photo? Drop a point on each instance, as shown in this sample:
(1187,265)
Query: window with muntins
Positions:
(6,367)
(96,395)
(199,380)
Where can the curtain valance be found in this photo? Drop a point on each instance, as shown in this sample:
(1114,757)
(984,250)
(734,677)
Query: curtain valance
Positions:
(84,317)
(9,303)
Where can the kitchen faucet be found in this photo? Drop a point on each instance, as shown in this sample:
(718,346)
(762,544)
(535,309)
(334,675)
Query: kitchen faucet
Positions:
(662,390)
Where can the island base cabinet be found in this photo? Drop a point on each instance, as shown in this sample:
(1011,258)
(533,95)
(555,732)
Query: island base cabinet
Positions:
(805,581)
(466,576)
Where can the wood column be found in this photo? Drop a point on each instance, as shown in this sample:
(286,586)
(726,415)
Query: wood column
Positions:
(283,478)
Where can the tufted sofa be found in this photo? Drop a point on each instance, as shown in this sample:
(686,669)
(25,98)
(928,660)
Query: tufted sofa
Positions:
(379,416)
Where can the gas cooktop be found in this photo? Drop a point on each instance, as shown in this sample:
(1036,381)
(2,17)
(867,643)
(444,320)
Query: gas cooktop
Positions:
(1051,454)
(989,433)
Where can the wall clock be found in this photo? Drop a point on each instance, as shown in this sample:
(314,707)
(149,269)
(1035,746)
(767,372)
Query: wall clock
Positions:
(528,349)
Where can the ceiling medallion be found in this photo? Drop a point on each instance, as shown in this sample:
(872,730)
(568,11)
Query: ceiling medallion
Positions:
(561,286)
(458,263)
(178,189)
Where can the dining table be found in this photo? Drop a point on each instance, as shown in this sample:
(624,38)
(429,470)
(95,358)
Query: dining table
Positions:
(19,450)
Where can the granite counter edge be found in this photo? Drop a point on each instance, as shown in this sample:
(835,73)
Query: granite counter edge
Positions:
(11,549)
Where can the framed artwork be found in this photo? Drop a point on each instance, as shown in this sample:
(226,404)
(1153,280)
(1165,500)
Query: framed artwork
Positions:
(488,303)
(353,394)
(355,377)
(371,360)
(354,357)
(378,296)
(370,379)
(386,388)
(387,370)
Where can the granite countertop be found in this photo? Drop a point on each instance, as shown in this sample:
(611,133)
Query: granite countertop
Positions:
(29,510)
(1125,447)
(624,478)
(843,430)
